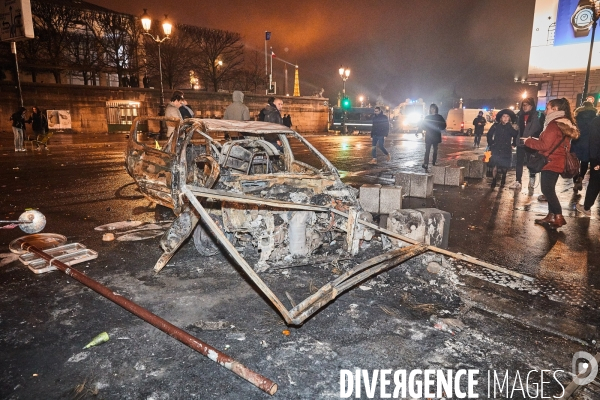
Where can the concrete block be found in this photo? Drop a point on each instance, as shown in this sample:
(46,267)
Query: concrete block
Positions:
(390,199)
(369,197)
(437,227)
(476,169)
(421,186)
(409,223)
(439,174)
(403,180)
(454,176)
(383,218)
(463,163)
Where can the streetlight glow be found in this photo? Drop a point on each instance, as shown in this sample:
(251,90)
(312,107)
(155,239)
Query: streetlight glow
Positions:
(524,95)
(146,21)
(167,26)
(344,74)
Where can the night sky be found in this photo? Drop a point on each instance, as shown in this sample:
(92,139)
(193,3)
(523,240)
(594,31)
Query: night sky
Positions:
(399,49)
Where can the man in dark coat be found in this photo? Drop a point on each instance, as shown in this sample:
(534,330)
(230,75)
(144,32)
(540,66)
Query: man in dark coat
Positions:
(479,123)
(529,126)
(593,189)
(581,147)
(185,110)
(379,131)
(273,112)
(261,114)
(433,125)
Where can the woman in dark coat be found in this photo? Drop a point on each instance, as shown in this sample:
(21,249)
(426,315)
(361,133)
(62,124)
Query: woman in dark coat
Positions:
(559,129)
(500,139)
(581,147)
(39,123)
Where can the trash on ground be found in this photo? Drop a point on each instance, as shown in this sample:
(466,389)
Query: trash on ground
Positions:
(118,225)
(141,235)
(101,338)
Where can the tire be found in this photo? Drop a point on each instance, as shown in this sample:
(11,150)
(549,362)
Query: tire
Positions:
(469,132)
(204,241)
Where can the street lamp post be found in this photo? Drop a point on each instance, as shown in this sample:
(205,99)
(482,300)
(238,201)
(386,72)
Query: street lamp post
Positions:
(587,71)
(344,74)
(167,27)
(361,99)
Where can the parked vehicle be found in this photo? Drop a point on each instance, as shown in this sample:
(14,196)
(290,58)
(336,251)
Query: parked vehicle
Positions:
(358,119)
(460,120)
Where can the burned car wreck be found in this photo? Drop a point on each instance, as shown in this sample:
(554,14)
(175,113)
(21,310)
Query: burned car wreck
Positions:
(234,185)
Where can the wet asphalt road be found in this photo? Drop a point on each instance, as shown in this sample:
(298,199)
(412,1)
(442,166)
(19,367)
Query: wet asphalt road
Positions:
(81,183)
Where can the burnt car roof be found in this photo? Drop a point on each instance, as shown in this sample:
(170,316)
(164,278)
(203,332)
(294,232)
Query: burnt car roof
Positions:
(221,125)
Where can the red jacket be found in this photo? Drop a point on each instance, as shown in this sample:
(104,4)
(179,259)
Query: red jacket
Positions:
(550,137)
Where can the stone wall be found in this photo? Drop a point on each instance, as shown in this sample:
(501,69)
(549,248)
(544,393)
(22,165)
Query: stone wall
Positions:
(87,104)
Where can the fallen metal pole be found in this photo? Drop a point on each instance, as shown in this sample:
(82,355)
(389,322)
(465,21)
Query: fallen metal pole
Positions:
(222,359)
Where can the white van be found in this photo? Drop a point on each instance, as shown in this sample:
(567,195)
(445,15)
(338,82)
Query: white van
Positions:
(460,120)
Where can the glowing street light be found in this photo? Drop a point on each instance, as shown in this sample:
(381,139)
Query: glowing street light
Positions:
(167,28)
(344,74)
(361,99)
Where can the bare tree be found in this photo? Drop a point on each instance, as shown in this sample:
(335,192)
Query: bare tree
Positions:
(117,36)
(85,54)
(177,55)
(53,24)
(221,55)
(251,76)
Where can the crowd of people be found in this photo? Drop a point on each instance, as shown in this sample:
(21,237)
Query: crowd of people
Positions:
(552,134)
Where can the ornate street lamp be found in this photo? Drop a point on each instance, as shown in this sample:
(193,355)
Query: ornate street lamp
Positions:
(167,27)
(344,74)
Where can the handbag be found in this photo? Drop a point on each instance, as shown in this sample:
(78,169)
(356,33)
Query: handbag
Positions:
(537,161)
(571,166)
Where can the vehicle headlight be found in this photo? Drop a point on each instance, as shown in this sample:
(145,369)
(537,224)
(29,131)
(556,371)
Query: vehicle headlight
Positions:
(414,117)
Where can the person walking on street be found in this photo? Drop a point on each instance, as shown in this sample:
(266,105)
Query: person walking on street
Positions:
(185,110)
(554,143)
(261,114)
(593,188)
(273,112)
(379,131)
(500,140)
(39,124)
(433,125)
(479,123)
(18,126)
(237,111)
(584,116)
(172,110)
(529,126)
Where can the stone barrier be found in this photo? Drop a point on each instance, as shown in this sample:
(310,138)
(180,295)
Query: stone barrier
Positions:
(426,225)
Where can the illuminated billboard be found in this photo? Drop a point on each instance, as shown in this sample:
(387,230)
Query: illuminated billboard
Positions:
(561,36)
